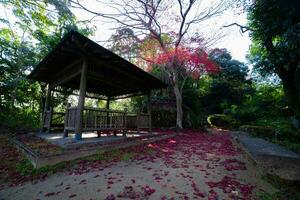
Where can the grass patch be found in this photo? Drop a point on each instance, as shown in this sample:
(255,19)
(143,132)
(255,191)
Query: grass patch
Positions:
(266,196)
(287,189)
(128,156)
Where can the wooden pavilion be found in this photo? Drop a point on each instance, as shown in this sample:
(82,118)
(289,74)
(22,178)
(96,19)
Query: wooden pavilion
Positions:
(81,64)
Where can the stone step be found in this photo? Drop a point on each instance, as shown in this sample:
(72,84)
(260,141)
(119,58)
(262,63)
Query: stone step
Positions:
(274,158)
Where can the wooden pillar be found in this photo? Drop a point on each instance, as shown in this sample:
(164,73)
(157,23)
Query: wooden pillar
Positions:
(46,107)
(107,113)
(125,122)
(149,110)
(138,122)
(66,124)
(50,119)
(81,99)
(47,102)
(107,102)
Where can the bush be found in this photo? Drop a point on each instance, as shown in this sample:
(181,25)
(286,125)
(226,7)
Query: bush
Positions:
(262,131)
(163,118)
(15,119)
(221,121)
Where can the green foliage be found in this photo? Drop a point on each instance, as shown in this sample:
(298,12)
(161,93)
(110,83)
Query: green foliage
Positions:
(221,121)
(128,156)
(275,29)
(265,101)
(19,118)
(266,196)
(277,130)
(124,43)
(163,118)
(260,131)
(228,87)
(27,169)
(33,29)
(230,69)
(286,189)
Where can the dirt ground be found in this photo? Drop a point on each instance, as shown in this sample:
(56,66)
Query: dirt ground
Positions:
(193,165)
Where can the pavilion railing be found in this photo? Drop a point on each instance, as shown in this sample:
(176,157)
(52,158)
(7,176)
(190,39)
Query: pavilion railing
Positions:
(70,118)
(53,119)
(96,119)
(143,120)
(139,120)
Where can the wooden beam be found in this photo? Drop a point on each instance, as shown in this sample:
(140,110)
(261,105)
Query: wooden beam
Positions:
(69,72)
(81,99)
(128,96)
(76,94)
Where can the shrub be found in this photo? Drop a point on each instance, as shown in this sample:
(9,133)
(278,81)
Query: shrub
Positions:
(262,131)
(163,118)
(221,120)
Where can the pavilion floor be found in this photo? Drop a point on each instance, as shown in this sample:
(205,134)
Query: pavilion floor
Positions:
(67,148)
(91,138)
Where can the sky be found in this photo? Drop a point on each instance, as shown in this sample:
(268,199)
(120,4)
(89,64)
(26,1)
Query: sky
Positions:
(235,42)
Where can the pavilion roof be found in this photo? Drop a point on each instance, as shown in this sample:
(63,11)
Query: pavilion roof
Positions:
(107,73)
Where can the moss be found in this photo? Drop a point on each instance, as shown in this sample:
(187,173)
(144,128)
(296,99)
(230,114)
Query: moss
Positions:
(26,168)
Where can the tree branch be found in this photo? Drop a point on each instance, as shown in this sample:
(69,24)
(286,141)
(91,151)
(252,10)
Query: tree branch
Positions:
(243,28)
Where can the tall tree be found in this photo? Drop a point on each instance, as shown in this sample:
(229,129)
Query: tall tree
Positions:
(230,69)
(275,26)
(154,18)
(125,43)
(230,85)
(29,29)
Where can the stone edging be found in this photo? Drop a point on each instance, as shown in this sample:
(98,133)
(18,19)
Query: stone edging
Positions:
(39,161)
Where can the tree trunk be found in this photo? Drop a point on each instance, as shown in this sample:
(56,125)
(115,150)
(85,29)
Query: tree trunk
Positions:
(291,89)
(178,97)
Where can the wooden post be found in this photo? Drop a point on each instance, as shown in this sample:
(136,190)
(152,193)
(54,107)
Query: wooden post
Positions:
(66,132)
(46,107)
(149,110)
(125,122)
(50,119)
(138,122)
(107,113)
(81,99)
(47,103)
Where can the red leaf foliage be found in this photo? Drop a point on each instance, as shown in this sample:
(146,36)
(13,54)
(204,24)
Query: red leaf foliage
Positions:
(229,184)
(234,164)
(194,60)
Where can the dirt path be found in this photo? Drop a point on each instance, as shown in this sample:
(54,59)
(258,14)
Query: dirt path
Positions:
(190,166)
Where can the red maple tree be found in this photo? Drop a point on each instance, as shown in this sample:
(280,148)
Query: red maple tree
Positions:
(194,61)
(179,63)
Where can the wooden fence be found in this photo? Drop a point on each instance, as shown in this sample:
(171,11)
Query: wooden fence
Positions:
(97,119)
